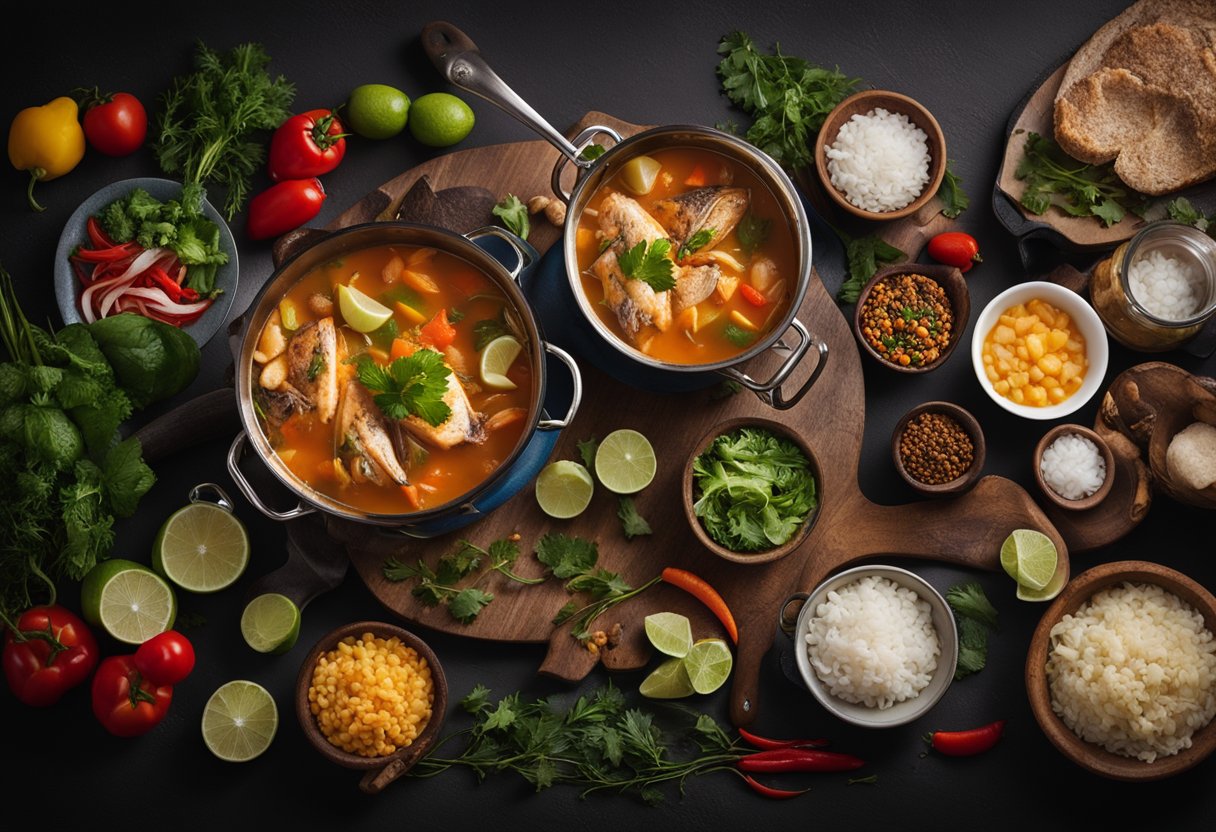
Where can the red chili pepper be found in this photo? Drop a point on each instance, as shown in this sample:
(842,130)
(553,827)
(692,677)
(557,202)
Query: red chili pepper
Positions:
(954,248)
(49,652)
(770,744)
(107,255)
(126,703)
(706,594)
(98,235)
(769,791)
(799,759)
(966,743)
(306,145)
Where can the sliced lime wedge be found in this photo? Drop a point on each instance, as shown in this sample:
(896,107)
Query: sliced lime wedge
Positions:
(496,359)
(670,633)
(563,489)
(239,721)
(361,313)
(667,681)
(708,663)
(271,623)
(201,548)
(130,601)
(1029,557)
(625,461)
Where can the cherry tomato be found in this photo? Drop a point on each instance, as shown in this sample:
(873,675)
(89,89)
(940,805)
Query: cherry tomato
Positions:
(954,248)
(284,206)
(308,144)
(115,125)
(126,703)
(50,652)
(165,659)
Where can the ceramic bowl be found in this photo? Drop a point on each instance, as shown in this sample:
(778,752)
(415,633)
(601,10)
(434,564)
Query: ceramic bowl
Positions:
(690,496)
(893,102)
(1083,319)
(380,770)
(900,713)
(67,285)
(968,423)
(1088,755)
(1108,459)
(955,286)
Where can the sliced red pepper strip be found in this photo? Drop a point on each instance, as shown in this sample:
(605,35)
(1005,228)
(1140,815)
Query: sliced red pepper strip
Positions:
(799,759)
(770,744)
(106,255)
(161,279)
(98,235)
(966,743)
(769,791)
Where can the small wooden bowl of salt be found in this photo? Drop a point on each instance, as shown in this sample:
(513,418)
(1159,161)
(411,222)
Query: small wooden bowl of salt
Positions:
(1074,467)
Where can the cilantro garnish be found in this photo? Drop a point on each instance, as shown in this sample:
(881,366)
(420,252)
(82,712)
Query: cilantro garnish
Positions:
(410,386)
(649,264)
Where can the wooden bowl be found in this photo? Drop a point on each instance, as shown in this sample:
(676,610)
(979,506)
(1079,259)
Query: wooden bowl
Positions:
(1093,757)
(950,279)
(763,555)
(1107,457)
(380,770)
(860,104)
(968,423)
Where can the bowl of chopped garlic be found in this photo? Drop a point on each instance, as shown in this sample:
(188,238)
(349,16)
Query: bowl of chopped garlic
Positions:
(372,696)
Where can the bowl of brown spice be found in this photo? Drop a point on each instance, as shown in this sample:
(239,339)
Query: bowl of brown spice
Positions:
(910,317)
(938,448)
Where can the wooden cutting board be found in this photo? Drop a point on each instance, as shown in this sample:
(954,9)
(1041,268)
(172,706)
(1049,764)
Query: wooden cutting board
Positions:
(965,530)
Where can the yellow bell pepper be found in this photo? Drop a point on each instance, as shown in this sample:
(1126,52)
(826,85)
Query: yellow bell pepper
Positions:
(47,141)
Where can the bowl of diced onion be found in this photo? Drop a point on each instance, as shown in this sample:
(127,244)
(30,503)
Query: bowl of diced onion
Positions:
(1074,467)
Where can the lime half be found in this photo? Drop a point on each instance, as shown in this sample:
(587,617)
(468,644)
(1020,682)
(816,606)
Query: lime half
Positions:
(1029,557)
(496,359)
(667,681)
(1053,588)
(564,489)
(625,461)
(271,623)
(708,663)
(130,601)
(670,633)
(239,721)
(201,548)
(361,313)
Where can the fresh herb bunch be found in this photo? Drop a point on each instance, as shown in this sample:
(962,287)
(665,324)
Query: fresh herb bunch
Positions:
(1180,209)
(411,386)
(514,215)
(787,97)
(864,255)
(1083,190)
(597,744)
(976,617)
(575,558)
(649,263)
(206,130)
(633,524)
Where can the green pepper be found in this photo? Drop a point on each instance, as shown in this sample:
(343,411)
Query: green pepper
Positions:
(48,141)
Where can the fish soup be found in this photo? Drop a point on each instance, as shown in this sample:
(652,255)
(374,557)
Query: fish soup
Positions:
(393,380)
(687,256)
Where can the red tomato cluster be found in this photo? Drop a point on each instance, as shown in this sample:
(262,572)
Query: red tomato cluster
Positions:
(304,147)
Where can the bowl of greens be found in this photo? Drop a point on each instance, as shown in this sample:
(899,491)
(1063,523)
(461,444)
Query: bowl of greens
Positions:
(752,490)
(150,247)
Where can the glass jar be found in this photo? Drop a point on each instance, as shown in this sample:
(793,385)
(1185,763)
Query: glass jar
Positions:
(1162,251)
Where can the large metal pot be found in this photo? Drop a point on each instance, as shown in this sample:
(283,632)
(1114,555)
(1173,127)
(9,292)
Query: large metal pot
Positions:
(457,57)
(526,459)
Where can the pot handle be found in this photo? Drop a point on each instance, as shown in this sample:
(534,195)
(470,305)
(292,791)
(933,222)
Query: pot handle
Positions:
(459,61)
(234,468)
(575,398)
(786,621)
(582,141)
(523,251)
(770,391)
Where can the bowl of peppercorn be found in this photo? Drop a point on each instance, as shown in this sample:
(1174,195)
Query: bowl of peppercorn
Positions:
(910,317)
(938,448)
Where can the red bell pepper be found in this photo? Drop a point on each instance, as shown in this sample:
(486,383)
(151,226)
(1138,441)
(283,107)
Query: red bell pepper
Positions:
(124,702)
(307,145)
(49,652)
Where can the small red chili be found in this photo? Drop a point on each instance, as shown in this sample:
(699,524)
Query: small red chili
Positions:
(799,759)
(769,791)
(769,744)
(966,743)
(954,248)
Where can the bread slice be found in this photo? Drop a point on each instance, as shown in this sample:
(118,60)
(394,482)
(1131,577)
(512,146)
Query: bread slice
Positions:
(1102,113)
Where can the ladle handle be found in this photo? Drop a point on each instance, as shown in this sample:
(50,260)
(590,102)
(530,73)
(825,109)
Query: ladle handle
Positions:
(457,58)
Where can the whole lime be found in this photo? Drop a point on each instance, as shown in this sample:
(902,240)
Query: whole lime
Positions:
(439,119)
(377,111)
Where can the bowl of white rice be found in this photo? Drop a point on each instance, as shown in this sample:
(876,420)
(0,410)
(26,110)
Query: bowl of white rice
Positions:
(1121,672)
(1074,467)
(876,645)
(880,155)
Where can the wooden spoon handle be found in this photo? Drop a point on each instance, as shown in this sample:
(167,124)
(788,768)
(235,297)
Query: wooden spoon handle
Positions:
(210,416)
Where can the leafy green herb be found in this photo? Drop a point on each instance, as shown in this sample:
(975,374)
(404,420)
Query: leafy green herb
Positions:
(514,215)
(696,242)
(864,254)
(315,366)
(592,152)
(567,556)
(976,617)
(752,231)
(952,194)
(1180,209)
(575,558)
(1083,190)
(455,316)
(632,523)
(787,97)
(150,360)
(725,389)
(753,489)
(649,264)
(486,331)
(587,450)
(410,386)
(737,335)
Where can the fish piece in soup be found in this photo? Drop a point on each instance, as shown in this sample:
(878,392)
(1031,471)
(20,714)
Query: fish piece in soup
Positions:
(624,221)
(693,285)
(365,435)
(716,207)
(463,425)
(314,358)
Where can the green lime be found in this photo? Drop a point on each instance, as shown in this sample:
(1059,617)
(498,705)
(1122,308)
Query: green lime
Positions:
(625,462)
(667,681)
(130,601)
(271,623)
(239,721)
(496,359)
(201,548)
(564,489)
(377,111)
(1029,557)
(439,119)
(361,313)
(708,664)
(670,633)
(1053,588)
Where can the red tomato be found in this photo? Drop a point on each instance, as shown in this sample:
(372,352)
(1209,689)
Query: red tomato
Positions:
(954,248)
(165,659)
(51,652)
(309,144)
(284,206)
(126,703)
(117,125)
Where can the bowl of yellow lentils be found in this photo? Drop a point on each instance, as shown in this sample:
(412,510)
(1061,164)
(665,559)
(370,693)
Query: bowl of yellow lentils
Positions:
(371,696)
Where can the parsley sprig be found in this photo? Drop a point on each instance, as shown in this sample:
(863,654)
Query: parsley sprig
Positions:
(976,617)
(1084,190)
(575,558)
(649,264)
(410,386)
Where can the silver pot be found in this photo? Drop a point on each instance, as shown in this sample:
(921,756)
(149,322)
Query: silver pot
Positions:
(458,59)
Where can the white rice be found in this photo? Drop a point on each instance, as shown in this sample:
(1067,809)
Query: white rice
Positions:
(872,643)
(1134,671)
(1073,467)
(1165,286)
(879,161)
(1191,455)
